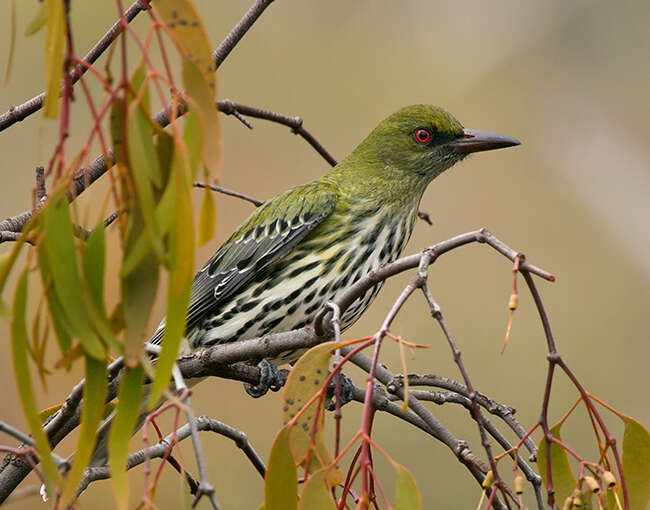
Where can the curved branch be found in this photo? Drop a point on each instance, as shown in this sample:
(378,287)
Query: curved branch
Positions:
(159,450)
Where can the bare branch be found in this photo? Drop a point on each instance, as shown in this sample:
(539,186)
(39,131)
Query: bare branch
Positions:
(227,107)
(159,450)
(239,30)
(229,192)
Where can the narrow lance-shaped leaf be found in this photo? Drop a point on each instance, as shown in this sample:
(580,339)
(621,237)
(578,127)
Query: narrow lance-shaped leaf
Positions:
(281,479)
(57,315)
(143,166)
(181,245)
(199,78)
(198,89)
(140,248)
(207,218)
(19,351)
(128,410)
(58,245)
(564,481)
(93,272)
(54,39)
(38,20)
(92,411)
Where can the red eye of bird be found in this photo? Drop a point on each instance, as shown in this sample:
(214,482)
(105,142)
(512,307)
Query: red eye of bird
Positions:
(422,135)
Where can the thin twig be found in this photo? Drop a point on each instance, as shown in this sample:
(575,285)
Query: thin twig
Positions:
(205,488)
(229,192)
(159,450)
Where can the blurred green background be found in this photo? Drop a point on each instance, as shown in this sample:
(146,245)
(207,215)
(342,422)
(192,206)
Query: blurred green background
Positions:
(569,79)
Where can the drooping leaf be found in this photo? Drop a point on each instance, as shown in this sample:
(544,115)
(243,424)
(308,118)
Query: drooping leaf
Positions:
(38,20)
(54,39)
(12,43)
(564,482)
(19,351)
(58,246)
(281,480)
(57,315)
(207,218)
(181,247)
(92,411)
(144,171)
(93,272)
(316,493)
(306,378)
(407,494)
(198,89)
(636,463)
(117,123)
(128,409)
(138,293)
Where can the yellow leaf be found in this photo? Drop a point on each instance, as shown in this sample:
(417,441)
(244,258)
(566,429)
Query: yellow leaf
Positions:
(316,493)
(407,494)
(306,378)
(281,479)
(207,218)
(19,350)
(92,411)
(636,463)
(128,409)
(54,39)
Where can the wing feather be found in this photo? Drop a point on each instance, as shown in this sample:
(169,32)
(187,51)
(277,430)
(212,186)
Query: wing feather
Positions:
(268,234)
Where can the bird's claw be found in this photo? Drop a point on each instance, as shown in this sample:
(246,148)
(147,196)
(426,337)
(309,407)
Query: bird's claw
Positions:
(269,380)
(347,392)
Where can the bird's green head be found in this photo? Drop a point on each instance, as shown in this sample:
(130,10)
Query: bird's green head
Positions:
(425,140)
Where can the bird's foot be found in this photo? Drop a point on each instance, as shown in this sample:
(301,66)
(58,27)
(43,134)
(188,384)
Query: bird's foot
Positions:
(347,392)
(269,380)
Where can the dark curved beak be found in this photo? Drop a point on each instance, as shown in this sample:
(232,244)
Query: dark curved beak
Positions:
(474,140)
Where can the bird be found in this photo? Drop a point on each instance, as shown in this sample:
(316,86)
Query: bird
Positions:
(302,248)
(305,246)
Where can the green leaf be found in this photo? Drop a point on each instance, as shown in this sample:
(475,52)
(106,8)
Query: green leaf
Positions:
(316,493)
(305,379)
(58,245)
(92,411)
(281,480)
(19,351)
(181,245)
(192,134)
(117,118)
(636,463)
(38,21)
(564,481)
(138,289)
(54,39)
(144,171)
(128,410)
(407,494)
(57,315)
(203,98)
(207,218)
(93,270)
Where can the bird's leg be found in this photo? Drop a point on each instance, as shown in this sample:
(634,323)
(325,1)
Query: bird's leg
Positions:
(269,380)
(347,391)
